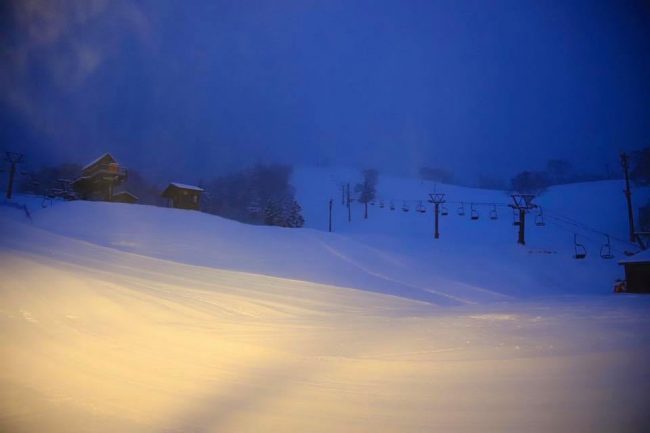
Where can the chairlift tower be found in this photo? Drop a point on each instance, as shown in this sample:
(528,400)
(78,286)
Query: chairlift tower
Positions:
(13,159)
(628,195)
(348,201)
(330,216)
(522,203)
(437,199)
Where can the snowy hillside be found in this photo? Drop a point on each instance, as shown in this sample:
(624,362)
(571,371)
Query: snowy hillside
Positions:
(392,252)
(134,318)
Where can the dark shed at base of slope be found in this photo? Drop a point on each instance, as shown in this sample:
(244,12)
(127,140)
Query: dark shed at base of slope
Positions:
(637,272)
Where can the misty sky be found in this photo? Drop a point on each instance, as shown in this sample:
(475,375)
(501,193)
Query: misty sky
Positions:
(197,87)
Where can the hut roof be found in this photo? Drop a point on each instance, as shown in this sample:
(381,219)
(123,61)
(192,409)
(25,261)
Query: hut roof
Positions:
(106,156)
(121,193)
(177,185)
(185,186)
(642,257)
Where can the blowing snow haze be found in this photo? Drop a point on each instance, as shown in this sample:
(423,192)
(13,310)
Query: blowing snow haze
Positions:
(393,216)
(199,87)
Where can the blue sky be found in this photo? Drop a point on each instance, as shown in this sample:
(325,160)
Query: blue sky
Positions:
(196,88)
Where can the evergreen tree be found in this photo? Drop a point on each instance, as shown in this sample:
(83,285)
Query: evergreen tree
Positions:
(254,207)
(368,188)
(273,213)
(640,172)
(295,218)
(530,182)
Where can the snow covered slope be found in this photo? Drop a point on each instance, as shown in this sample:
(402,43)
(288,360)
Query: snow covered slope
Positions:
(117,317)
(97,339)
(482,252)
(393,252)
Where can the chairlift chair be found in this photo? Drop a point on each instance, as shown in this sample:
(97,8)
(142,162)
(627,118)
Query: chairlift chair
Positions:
(473,213)
(381,204)
(420,208)
(493,213)
(539,218)
(461,209)
(580,250)
(444,211)
(392,206)
(606,250)
(405,207)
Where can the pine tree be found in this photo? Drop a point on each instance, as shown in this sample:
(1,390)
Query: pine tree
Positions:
(295,218)
(273,213)
(368,189)
(254,207)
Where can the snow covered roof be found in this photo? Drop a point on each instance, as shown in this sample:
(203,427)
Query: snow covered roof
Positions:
(185,186)
(642,257)
(177,185)
(95,161)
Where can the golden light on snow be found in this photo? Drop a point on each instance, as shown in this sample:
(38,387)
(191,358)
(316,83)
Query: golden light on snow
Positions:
(142,345)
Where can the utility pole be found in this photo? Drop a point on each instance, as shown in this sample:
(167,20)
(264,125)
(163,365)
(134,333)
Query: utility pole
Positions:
(437,199)
(365,214)
(349,211)
(523,203)
(625,163)
(330,219)
(14,159)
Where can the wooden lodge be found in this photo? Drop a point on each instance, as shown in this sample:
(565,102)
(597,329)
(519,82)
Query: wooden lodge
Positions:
(183,196)
(99,178)
(637,272)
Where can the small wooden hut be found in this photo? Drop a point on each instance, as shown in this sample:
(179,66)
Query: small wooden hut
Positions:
(182,196)
(637,272)
(99,178)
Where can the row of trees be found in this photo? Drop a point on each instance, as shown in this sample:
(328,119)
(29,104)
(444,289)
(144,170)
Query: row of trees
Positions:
(556,172)
(559,171)
(258,195)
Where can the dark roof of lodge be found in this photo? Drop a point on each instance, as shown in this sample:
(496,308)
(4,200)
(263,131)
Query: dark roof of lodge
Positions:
(176,185)
(121,193)
(642,257)
(107,156)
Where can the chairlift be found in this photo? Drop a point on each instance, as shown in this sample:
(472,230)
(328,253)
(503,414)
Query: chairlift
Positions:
(473,213)
(381,204)
(443,210)
(515,217)
(392,206)
(580,250)
(420,207)
(539,218)
(372,203)
(461,209)
(606,250)
(405,207)
(493,213)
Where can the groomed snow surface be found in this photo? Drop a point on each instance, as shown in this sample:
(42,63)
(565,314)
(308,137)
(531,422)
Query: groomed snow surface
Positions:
(129,318)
